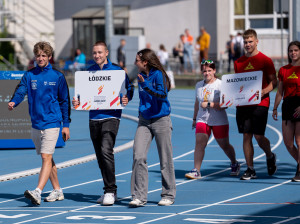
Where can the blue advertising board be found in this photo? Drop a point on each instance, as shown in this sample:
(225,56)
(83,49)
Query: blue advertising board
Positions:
(15,126)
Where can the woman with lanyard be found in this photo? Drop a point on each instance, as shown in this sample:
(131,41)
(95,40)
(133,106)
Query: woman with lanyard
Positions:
(289,89)
(209,116)
(154,121)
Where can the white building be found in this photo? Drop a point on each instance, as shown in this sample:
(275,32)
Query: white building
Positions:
(70,24)
(28,22)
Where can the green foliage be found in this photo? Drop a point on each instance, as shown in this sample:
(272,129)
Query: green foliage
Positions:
(6,48)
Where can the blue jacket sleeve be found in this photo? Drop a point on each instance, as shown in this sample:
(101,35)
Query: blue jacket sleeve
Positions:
(130,88)
(64,101)
(21,91)
(160,90)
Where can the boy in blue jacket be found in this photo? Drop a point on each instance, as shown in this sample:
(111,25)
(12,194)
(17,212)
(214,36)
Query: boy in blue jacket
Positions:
(49,106)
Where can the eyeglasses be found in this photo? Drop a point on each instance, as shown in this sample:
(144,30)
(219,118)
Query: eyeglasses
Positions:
(207,62)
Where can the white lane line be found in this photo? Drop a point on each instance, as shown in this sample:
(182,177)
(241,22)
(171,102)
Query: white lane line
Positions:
(188,181)
(61,213)
(287,220)
(277,185)
(217,203)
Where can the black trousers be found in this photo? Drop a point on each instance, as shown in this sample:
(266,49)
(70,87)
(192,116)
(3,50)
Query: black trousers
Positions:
(103,134)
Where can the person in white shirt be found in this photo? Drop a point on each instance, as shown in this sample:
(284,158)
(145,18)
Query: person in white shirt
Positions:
(237,46)
(209,116)
(163,56)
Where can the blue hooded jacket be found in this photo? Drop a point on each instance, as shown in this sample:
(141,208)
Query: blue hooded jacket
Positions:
(153,95)
(48,97)
(104,114)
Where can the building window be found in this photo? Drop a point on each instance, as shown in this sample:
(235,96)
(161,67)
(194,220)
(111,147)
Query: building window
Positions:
(264,15)
(89,26)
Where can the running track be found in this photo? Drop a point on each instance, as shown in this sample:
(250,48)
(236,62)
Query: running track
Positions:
(217,198)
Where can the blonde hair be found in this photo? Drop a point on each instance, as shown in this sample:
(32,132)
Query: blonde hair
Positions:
(43,46)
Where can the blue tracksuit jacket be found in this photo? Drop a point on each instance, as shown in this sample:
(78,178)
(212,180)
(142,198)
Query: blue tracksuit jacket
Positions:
(153,95)
(48,97)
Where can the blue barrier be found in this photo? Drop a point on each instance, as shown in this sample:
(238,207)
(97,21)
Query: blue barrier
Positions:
(15,126)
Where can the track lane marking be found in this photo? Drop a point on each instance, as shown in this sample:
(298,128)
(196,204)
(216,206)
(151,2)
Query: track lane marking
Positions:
(188,181)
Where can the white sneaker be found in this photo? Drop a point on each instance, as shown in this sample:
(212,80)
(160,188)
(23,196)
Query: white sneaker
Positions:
(136,203)
(165,202)
(107,199)
(34,196)
(193,174)
(55,195)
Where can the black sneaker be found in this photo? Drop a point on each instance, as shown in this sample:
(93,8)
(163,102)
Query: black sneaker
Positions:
(296,178)
(235,169)
(271,163)
(249,174)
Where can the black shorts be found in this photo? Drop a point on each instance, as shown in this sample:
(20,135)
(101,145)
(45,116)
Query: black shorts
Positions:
(252,120)
(289,106)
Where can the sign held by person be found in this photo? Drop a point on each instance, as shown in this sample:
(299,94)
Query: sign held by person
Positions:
(241,89)
(98,90)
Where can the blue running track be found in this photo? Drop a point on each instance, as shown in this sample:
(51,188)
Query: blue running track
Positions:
(216,198)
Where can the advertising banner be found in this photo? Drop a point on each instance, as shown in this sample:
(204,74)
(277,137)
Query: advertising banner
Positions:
(15,125)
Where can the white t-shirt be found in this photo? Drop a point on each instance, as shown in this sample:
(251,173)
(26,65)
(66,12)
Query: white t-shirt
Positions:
(239,39)
(210,93)
(163,57)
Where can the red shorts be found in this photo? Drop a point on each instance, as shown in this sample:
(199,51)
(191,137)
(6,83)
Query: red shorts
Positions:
(221,131)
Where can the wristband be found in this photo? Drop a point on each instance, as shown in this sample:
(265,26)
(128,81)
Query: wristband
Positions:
(274,109)
(194,119)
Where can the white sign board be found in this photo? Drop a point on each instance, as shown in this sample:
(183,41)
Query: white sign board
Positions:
(98,90)
(241,89)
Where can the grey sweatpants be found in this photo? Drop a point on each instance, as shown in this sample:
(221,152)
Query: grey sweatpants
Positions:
(161,129)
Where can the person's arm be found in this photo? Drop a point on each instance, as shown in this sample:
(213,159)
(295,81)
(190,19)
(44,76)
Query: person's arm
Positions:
(232,48)
(278,98)
(160,90)
(20,92)
(65,106)
(196,109)
(119,55)
(64,101)
(271,78)
(130,89)
(208,42)
(214,105)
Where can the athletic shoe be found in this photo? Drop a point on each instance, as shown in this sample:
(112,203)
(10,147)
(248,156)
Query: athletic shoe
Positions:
(235,169)
(193,174)
(107,199)
(296,178)
(55,195)
(249,174)
(165,202)
(136,203)
(34,196)
(271,164)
